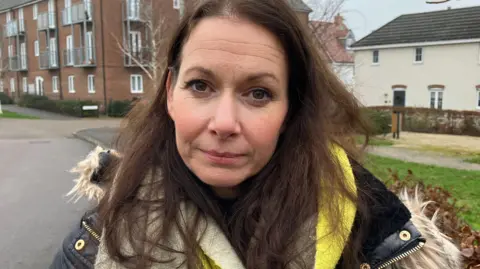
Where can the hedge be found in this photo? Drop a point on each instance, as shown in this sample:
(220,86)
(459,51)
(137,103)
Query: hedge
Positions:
(67,107)
(5,99)
(119,108)
(380,121)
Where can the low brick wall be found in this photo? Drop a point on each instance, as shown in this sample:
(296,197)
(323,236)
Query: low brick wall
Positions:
(425,120)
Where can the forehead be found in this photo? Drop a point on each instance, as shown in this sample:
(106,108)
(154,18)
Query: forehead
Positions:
(233,40)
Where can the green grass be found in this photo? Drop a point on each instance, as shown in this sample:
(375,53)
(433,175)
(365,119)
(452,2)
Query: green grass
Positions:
(475,159)
(374,141)
(463,185)
(13,115)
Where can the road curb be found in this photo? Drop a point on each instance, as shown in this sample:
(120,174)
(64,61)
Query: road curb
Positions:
(89,139)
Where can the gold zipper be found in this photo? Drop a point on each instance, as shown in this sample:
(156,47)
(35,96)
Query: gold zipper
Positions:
(90,230)
(402,256)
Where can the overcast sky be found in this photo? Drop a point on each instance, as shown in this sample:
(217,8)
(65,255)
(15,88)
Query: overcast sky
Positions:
(365,16)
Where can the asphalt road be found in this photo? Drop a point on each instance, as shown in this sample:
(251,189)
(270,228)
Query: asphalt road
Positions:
(35,215)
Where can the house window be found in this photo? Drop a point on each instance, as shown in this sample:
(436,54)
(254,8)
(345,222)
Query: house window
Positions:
(71,84)
(478,97)
(418,55)
(436,98)
(25,84)
(55,84)
(134,9)
(9,16)
(135,43)
(12,85)
(35,11)
(136,83)
(91,83)
(10,50)
(89,44)
(23,55)
(1,85)
(376,57)
(176,4)
(36,48)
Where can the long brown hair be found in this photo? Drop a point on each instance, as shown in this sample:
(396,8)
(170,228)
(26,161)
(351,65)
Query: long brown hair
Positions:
(275,203)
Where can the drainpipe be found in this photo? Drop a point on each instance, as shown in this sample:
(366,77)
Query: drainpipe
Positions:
(57,22)
(103,59)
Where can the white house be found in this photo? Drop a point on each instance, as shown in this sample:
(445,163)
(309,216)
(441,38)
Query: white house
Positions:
(427,59)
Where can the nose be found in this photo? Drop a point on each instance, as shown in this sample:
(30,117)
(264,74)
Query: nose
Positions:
(224,122)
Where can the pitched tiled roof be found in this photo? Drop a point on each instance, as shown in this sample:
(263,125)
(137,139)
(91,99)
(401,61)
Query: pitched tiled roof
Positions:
(7,4)
(299,5)
(452,24)
(328,35)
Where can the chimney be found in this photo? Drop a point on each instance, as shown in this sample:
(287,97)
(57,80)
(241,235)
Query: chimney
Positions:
(338,19)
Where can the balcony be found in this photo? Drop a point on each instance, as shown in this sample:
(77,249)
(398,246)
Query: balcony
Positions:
(79,57)
(142,56)
(14,28)
(135,10)
(77,13)
(48,60)
(18,63)
(46,21)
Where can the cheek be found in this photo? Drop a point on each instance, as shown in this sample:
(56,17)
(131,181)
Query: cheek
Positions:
(188,122)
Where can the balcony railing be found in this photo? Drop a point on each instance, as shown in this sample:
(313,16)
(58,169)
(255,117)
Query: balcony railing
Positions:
(48,60)
(135,10)
(84,56)
(77,13)
(18,63)
(46,20)
(142,56)
(15,27)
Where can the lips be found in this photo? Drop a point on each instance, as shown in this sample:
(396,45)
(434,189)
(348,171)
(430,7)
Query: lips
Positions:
(223,154)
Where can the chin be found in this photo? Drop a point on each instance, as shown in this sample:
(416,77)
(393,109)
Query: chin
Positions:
(222,180)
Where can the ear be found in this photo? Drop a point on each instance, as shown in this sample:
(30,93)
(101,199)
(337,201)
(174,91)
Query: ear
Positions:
(169,86)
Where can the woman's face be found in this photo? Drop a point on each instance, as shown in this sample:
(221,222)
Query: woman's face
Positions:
(229,101)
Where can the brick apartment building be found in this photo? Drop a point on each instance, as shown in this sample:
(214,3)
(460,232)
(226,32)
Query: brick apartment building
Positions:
(86,49)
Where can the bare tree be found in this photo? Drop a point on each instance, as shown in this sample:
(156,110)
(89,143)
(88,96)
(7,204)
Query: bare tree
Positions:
(323,33)
(151,58)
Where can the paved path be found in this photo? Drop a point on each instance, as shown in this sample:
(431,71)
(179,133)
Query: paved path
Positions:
(422,157)
(37,113)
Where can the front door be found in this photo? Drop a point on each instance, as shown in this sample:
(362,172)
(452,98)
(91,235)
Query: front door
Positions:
(399,98)
(38,85)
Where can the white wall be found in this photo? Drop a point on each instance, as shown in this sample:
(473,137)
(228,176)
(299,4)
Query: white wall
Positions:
(346,73)
(455,66)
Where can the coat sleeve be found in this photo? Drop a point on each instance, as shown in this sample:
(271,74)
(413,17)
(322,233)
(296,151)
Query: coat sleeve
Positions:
(80,246)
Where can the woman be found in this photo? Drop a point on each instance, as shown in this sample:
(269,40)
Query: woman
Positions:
(244,160)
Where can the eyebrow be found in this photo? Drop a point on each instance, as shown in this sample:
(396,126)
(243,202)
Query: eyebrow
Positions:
(252,77)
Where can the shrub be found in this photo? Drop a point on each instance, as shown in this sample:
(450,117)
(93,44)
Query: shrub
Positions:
(119,108)
(380,121)
(448,215)
(5,99)
(67,107)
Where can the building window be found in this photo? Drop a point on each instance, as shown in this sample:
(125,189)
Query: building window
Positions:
(418,55)
(35,11)
(69,60)
(25,84)
(36,48)
(376,57)
(1,85)
(436,98)
(478,97)
(55,84)
(136,83)
(12,85)
(91,83)
(176,4)
(71,84)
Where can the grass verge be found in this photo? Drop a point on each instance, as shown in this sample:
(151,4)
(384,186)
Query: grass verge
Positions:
(374,141)
(13,115)
(464,185)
